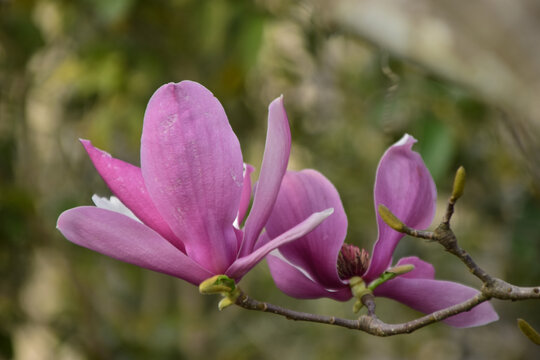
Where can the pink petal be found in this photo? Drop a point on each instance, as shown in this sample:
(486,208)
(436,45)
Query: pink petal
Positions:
(301,194)
(294,283)
(125,239)
(404,185)
(241,266)
(245,198)
(428,296)
(274,165)
(239,237)
(192,167)
(126,182)
(422,269)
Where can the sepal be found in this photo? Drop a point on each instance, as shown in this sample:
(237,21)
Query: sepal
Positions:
(217,284)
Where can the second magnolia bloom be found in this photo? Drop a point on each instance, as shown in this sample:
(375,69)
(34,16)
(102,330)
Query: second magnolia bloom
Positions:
(321,265)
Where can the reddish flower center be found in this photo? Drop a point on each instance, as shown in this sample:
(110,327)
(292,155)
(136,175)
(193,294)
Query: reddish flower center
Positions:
(352,261)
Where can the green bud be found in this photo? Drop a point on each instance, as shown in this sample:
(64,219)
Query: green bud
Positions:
(225,302)
(389,275)
(459,183)
(390,218)
(357,306)
(217,284)
(402,269)
(529,331)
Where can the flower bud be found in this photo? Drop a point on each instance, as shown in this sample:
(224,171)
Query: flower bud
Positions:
(390,218)
(529,331)
(459,183)
(402,269)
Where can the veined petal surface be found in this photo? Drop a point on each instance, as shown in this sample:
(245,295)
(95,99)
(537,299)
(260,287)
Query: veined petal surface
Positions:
(274,165)
(125,239)
(422,269)
(404,185)
(192,165)
(301,194)
(294,283)
(126,182)
(242,265)
(427,296)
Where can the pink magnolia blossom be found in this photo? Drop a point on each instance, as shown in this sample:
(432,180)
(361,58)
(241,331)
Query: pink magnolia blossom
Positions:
(190,193)
(320,264)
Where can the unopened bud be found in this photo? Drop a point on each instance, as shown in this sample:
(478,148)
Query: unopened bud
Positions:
(459,183)
(529,331)
(390,274)
(402,269)
(217,284)
(390,218)
(358,305)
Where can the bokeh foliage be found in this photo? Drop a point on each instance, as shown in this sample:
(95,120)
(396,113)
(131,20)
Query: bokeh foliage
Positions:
(86,69)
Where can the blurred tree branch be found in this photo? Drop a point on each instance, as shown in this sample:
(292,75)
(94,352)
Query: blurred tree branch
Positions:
(488,46)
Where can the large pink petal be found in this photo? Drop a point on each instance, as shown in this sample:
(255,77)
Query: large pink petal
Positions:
(428,296)
(126,182)
(125,239)
(192,167)
(242,265)
(294,283)
(301,194)
(404,185)
(274,165)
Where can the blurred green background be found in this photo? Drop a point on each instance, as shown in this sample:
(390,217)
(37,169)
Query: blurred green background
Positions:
(86,69)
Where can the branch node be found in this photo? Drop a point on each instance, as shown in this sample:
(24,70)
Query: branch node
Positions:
(368,300)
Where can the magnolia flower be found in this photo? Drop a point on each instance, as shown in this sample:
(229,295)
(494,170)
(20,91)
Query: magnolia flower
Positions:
(189,195)
(321,265)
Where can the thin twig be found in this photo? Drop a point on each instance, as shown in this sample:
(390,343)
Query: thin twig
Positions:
(366,323)
(446,237)
(449,210)
(374,326)
(369,302)
(421,234)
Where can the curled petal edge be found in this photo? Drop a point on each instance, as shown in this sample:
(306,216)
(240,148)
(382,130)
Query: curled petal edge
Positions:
(242,265)
(295,283)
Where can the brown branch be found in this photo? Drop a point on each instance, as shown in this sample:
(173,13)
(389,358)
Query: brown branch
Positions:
(500,289)
(421,234)
(366,323)
(444,235)
(369,302)
(497,289)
